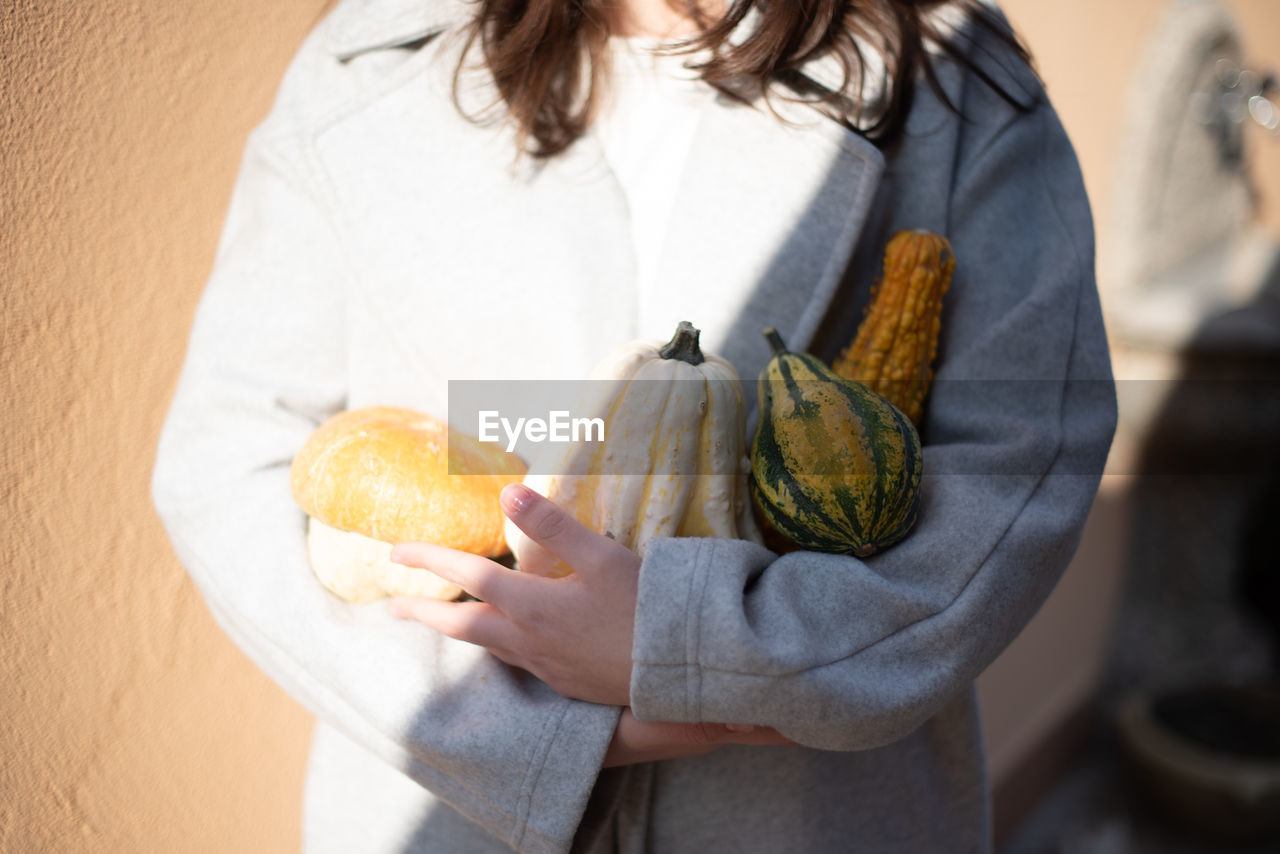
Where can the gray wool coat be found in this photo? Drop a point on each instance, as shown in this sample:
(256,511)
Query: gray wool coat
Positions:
(379,245)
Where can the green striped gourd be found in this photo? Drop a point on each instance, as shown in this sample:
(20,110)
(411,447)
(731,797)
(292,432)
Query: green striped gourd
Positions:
(835,467)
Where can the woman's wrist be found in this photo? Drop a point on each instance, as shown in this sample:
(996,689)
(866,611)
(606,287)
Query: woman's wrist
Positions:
(635,740)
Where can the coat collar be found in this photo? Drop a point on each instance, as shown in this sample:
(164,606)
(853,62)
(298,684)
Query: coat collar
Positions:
(767,215)
(356,27)
(362,26)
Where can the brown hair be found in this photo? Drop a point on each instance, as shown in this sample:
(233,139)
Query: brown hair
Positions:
(548,58)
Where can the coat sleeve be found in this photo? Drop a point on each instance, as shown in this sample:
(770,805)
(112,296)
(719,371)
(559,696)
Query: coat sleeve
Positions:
(266,362)
(841,653)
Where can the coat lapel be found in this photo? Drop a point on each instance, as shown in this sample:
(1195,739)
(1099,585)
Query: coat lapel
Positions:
(768,213)
(360,26)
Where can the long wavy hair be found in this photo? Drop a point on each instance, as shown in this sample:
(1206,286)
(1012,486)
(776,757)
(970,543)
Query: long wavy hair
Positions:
(549,58)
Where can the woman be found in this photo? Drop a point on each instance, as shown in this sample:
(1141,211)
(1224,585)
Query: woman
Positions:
(453,190)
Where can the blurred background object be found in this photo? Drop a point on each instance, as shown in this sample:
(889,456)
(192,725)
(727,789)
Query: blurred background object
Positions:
(1177,745)
(1184,241)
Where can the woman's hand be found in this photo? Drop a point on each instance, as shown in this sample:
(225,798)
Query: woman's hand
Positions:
(573,633)
(648,741)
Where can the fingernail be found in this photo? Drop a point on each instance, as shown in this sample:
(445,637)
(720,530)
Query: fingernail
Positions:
(395,609)
(739,727)
(397,555)
(515,497)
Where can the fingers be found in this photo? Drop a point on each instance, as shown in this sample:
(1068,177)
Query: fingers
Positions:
(721,734)
(574,636)
(635,740)
(761,736)
(480,577)
(710,735)
(473,622)
(555,530)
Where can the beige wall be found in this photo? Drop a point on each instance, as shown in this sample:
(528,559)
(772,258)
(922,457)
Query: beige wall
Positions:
(127,721)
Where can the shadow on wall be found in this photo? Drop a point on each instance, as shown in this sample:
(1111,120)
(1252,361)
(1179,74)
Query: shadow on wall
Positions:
(1194,678)
(1185,756)
(1201,602)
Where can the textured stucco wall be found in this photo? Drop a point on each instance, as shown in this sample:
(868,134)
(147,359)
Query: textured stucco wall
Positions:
(127,721)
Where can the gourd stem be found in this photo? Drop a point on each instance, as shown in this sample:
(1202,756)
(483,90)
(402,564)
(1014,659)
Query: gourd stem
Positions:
(775,341)
(684,345)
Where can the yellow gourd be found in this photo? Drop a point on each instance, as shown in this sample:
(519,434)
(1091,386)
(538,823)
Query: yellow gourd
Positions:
(368,478)
(897,341)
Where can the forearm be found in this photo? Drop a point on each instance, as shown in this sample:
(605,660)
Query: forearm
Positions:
(636,741)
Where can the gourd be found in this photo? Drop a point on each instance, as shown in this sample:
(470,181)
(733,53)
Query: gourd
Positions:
(835,467)
(372,477)
(672,462)
(893,351)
